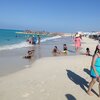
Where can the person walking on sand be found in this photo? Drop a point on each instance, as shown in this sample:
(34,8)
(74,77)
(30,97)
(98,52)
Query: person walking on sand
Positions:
(95,70)
(77,42)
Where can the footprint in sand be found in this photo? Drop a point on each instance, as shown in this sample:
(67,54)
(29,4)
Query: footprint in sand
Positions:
(42,82)
(25,95)
(42,90)
(27,66)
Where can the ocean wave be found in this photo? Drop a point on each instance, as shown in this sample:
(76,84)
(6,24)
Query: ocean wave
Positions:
(15,46)
(50,38)
(25,44)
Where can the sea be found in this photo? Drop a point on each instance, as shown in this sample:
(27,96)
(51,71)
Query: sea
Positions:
(9,39)
(13,47)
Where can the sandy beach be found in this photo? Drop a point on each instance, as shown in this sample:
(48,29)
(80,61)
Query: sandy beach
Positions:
(15,61)
(52,78)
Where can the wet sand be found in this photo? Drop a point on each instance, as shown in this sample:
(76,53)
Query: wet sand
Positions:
(52,78)
(12,60)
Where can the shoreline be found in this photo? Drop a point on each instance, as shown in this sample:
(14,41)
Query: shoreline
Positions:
(51,78)
(15,61)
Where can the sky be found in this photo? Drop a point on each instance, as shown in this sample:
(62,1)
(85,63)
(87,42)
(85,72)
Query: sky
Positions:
(50,15)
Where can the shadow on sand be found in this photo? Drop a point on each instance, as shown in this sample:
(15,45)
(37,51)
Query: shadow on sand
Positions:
(71,51)
(87,71)
(79,80)
(70,97)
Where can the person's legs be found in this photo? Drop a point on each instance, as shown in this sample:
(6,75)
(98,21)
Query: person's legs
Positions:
(91,85)
(99,85)
(77,50)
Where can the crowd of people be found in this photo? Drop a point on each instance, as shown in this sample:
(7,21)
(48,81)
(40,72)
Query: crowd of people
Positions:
(95,63)
(77,41)
(32,40)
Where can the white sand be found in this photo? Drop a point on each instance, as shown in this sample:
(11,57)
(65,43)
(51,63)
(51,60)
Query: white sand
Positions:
(52,78)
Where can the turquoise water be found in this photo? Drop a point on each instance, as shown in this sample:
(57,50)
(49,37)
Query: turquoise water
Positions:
(13,57)
(8,37)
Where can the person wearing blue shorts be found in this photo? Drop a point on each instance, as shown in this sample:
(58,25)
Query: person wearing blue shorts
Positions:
(95,71)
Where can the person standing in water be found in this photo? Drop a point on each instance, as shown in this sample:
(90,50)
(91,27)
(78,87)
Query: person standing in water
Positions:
(64,48)
(39,39)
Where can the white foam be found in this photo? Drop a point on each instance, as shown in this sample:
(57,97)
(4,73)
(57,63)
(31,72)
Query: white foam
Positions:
(25,44)
(15,46)
(50,38)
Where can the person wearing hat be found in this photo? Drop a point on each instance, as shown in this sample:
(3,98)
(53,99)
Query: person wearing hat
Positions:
(77,42)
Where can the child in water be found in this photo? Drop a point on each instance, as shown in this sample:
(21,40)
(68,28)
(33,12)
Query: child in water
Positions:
(29,54)
(65,48)
(56,51)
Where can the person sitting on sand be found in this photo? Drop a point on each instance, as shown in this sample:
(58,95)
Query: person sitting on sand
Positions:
(88,52)
(29,54)
(56,51)
(64,48)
